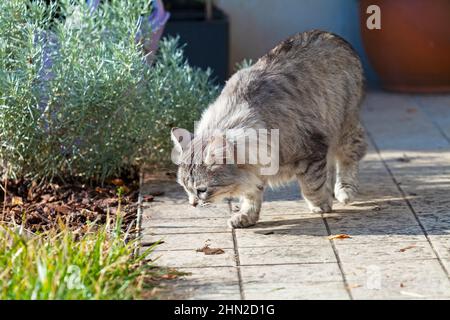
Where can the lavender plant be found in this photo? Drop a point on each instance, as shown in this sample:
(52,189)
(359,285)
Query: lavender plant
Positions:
(76,96)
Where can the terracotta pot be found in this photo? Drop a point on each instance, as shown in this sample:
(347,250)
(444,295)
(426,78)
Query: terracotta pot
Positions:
(411,52)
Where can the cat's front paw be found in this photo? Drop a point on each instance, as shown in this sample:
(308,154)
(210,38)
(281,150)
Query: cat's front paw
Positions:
(241,220)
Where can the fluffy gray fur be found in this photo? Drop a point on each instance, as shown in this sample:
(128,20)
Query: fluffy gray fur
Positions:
(309,87)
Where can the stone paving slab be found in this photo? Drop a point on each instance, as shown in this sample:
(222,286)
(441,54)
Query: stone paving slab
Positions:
(437,108)
(424,178)
(292,273)
(399,124)
(299,291)
(399,224)
(380,234)
(249,238)
(383,251)
(287,222)
(170,225)
(383,216)
(193,259)
(397,280)
(190,241)
(287,254)
(160,210)
(205,283)
(294,281)
(441,243)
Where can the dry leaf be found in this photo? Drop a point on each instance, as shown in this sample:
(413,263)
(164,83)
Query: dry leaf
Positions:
(118,182)
(47,198)
(407,248)
(60,208)
(210,251)
(339,236)
(354,286)
(169,276)
(404,159)
(31,195)
(16,201)
(148,198)
(156,193)
(101,190)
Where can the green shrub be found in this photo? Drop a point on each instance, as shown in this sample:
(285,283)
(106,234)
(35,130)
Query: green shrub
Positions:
(180,93)
(99,108)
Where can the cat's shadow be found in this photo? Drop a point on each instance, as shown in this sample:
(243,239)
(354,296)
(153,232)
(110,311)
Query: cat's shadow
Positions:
(378,210)
(388,216)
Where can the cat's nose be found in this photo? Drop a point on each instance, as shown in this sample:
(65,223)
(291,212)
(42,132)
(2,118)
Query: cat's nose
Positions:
(201,191)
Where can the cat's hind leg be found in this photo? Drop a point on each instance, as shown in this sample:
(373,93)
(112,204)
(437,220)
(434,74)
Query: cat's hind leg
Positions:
(315,184)
(348,154)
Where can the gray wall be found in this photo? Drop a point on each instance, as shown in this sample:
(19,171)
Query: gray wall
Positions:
(258,25)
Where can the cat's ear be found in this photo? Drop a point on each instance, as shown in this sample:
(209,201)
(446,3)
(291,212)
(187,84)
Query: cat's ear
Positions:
(180,138)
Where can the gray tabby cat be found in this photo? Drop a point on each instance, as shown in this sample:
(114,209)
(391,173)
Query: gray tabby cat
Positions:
(310,87)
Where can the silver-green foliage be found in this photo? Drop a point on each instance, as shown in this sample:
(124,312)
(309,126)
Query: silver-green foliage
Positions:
(99,108)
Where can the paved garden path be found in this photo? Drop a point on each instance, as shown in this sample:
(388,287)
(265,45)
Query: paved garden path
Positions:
(399,225)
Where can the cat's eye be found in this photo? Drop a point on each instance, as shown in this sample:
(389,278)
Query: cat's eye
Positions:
(201,190)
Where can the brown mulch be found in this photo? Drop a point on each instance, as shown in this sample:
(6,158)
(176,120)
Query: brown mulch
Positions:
(39,207)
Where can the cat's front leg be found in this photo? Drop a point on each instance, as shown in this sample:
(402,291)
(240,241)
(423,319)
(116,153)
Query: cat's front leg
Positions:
(248,214)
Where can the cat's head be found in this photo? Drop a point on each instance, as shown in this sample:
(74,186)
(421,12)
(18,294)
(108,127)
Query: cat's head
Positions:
(203,169)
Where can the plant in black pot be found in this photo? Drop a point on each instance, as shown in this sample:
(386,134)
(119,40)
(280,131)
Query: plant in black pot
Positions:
(203,28)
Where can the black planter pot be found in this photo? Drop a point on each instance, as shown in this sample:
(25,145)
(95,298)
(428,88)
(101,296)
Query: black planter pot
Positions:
(206,41)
